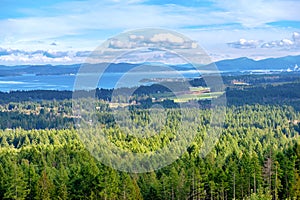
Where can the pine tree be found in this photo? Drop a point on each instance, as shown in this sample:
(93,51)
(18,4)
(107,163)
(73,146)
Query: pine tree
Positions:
(44,187)
(109,183)
(16,186)
(296,186)
(3,180)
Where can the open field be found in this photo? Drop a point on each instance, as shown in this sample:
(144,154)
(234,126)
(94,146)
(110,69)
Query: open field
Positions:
(203,96)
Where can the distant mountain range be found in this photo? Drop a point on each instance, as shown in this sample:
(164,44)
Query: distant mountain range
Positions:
(245,64)
(288,63)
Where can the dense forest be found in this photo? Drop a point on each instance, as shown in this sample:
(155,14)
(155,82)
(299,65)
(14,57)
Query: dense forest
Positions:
(45,155)
(256,157)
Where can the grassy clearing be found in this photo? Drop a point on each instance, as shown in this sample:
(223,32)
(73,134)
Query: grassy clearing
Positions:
(198,89)
(189,97)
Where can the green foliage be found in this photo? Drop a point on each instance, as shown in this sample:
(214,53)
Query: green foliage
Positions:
(256,157)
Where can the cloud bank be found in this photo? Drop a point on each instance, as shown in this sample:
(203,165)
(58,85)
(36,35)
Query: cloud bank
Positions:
(285,44)
(245,44)
(149,44)
(163,40)
(16,56)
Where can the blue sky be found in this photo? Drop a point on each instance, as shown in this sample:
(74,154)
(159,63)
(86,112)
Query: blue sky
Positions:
(224,28)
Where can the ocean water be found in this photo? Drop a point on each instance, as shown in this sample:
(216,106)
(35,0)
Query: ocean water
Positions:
(33,82)
(67,81)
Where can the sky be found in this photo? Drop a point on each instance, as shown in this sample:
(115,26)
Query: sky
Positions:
(66,31)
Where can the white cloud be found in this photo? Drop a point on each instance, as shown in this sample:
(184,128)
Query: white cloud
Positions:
(16,56)
(33,59)
(76,18)
(118,44)
(71,24)
(296,38)
(166,37)
(134,37)
(215,42)
(293,43)
(245,44)
(162,40)
(275,44)
(285,43)
(259,12)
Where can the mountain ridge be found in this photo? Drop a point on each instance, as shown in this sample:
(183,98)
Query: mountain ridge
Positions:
(227,65)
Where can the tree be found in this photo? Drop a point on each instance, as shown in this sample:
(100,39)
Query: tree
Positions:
(109,184)
(44,187)
(16,185)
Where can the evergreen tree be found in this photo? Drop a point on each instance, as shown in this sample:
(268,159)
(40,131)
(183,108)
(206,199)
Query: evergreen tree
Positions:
(44,187)
(16,185)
